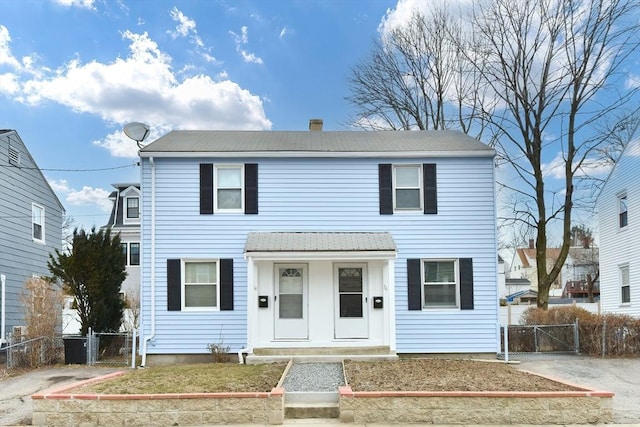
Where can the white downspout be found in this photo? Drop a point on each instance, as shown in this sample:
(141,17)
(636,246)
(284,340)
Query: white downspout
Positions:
(3,324)
(153,263)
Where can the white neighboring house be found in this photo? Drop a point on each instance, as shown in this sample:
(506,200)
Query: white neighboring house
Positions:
(618,206)
(125,220)
(524,266)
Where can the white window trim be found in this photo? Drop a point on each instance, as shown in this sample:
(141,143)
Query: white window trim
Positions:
(33,207)
(420,188)
(217,167)
(622,196)
(620,268)
(456,277)
(125,218)
(183,272)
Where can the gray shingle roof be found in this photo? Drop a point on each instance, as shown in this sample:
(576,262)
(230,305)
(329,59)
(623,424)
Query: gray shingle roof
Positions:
(318,242)
(314,143)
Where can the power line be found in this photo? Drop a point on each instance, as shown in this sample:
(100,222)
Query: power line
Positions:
(72,170)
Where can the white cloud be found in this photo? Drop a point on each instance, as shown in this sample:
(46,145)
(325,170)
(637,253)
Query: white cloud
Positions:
(59,185)
(241,40)
(6,57)
(556,168)
(88,4)
(185,25)
(284,32)
(90,196)
(141,87)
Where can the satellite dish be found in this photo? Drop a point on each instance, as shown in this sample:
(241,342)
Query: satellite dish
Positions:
(136,131)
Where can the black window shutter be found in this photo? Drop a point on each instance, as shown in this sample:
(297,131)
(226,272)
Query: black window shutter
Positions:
(430,188)
(226,284)
(251,188)
(414,288)
(385,189)
(466,283)
(206,188)
(173,285)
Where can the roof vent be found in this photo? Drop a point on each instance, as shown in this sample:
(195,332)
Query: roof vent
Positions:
(315,124)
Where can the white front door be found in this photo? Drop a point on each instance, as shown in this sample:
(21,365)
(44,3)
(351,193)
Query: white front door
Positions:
(291,296)
(351,301)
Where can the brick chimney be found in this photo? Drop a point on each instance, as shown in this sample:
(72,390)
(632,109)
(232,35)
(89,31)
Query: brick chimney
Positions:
(315,124)
(531,244)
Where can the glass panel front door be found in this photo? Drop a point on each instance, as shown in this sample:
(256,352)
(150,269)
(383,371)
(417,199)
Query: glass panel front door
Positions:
(291,302)
(351,301)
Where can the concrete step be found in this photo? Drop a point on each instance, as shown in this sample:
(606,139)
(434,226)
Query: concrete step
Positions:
(311,410)
(322,351)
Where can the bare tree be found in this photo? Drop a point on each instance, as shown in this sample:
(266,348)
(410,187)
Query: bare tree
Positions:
(417,77)
(534,78)
(553,65)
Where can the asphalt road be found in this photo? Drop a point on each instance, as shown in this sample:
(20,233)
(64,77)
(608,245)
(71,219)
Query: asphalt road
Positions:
(621,376)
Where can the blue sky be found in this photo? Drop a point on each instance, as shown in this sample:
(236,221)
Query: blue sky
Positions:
(73,72)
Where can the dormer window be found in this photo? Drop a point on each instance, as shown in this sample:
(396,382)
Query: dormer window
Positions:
(133,207)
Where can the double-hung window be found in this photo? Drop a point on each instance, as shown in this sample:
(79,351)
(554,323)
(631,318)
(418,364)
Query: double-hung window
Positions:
(37,223)
(440,284)
(229,188)
(407,187)
(625,287)
(133,208)
(131,253)
(200,290)
(622,211)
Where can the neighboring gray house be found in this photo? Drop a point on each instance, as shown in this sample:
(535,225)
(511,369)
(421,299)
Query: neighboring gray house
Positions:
(30,226)
(619,216)
(276,241)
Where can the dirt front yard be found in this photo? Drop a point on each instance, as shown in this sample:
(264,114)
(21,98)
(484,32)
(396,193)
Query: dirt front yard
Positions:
(444,375)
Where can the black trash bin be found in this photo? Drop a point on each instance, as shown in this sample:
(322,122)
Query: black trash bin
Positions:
(75,350)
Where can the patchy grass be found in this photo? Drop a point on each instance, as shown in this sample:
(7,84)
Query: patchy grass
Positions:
(192,378)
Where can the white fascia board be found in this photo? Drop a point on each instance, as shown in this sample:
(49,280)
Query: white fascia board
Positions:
(311,256)
(330,154)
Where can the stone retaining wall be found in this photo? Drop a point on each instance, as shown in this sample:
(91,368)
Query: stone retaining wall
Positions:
(577,407)
(60,408)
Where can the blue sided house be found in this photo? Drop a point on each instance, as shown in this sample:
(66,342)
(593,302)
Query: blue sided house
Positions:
(276,242)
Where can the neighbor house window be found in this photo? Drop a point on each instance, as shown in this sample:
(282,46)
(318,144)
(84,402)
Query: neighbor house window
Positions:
(133,207)
(622,202)
(407,189)
(200,285)
(37,215)
(131,253)
(134,253)
(625,288)
(228,192)
(440,283)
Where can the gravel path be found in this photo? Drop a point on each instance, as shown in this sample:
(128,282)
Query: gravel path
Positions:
(314,377)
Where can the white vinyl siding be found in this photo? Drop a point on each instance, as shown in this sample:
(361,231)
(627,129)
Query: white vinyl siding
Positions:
(322,194)
(618,204)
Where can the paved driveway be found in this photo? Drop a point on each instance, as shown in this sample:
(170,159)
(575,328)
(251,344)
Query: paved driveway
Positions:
(621,376)
(15,392)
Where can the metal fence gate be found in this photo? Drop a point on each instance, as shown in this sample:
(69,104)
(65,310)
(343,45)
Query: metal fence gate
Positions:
(540,339)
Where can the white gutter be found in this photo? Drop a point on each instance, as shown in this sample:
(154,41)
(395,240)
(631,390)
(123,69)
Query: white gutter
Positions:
(153,263)
(3,325)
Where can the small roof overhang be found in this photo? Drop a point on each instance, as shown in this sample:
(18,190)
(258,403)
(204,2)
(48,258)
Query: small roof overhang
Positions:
(320,245)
